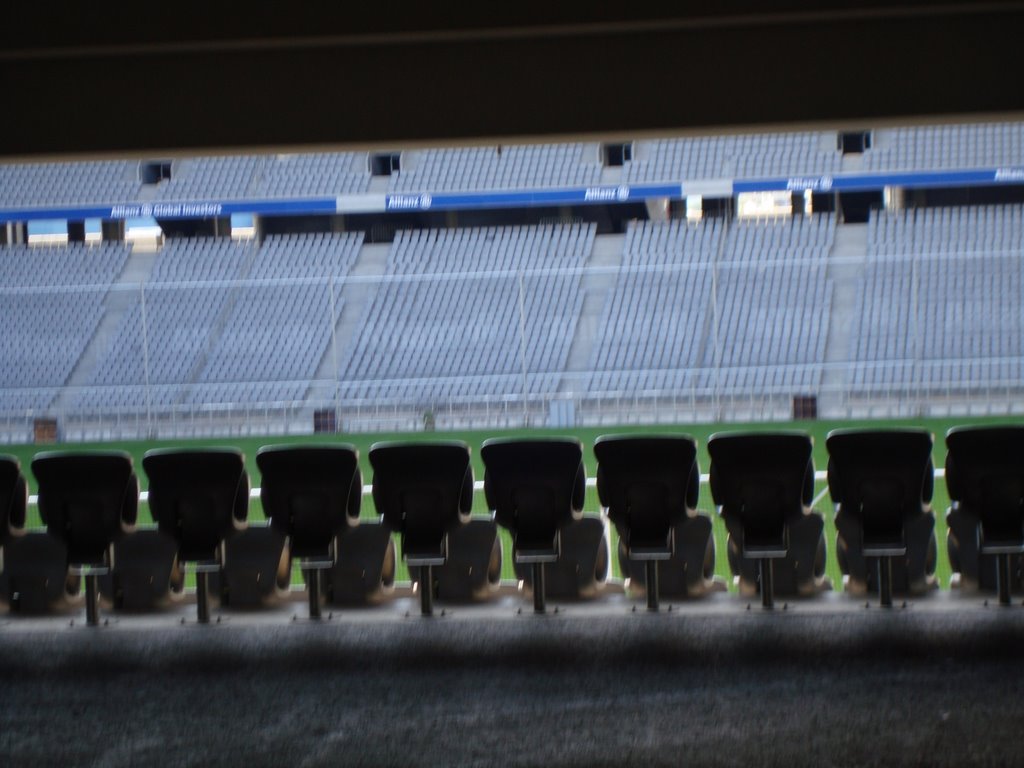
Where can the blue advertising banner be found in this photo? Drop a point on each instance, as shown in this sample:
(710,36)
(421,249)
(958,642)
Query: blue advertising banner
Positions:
(529,198)
(871,181)
(177,210)
(427,201)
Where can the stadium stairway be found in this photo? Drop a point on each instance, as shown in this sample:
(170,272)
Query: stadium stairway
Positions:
(355,297)
(121,297)
(845,270)
(598,283)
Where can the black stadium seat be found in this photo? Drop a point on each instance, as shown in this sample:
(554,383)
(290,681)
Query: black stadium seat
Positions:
(536,488)
(88,500)
(424,492)
(13,499)
(985,479)
(142,577)
(199,497)
(650,485)
(312,495)
(763,483)
(881,484)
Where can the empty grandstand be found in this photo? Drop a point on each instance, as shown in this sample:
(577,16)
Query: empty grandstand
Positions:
(662,279)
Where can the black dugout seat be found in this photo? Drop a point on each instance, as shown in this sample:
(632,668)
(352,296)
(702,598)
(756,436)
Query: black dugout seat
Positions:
(985,479)
(198,497)
(650,485)
(143,577)
(34,574)
(13,500)
(312,496)
(881,484)
(87,500)
(536,488)
(763,484)
(424,492)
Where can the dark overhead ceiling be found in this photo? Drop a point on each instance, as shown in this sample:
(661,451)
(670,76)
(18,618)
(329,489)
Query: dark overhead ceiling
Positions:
(187,77)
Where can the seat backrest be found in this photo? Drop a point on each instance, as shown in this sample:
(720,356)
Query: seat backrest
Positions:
(647,482)
(310,493)
(199,497)
(13,497)
(763,478)
(985,477)
(87,499)
(534,485)
(422,489)
(882,477)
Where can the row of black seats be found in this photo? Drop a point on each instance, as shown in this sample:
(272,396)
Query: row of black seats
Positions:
(880,481)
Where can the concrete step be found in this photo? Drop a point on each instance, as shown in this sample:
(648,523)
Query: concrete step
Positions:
(597,283)
(354,297)
(121,296)
(845,270)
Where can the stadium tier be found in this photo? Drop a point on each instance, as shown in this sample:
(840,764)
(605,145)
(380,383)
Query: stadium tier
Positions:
(174,316)
(513,167)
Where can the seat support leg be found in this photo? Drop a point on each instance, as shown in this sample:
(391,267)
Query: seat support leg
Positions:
(767,585)
(652,585)
(92,603)
(1003,578)
(427,590)
(885,582)
(538,588)
(313,592)
(203,596)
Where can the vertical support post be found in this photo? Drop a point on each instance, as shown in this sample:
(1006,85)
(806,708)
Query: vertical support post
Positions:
(1003,578)
(426,590)
(767,585)
(203,596)
(651,568)
(885,581)
(522,347)
(92,605)
(313,592)
(538,588)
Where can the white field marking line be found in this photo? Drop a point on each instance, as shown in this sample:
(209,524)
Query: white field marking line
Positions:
(254,493)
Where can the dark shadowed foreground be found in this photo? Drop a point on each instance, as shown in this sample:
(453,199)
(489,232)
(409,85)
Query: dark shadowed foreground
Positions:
(827,683)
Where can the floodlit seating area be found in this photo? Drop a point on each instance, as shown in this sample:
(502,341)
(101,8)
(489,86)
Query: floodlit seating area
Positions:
(53,300)
(939,306)
(744,156)
(212,178)
(161,338)
(524,166)
(325,174)
(278,322)
(771,307)
(652,331)
(982,145)
(448,317)
(739,307)
(313,175)
(95,182)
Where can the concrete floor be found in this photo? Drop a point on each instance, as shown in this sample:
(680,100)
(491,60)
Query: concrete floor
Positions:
(824,681)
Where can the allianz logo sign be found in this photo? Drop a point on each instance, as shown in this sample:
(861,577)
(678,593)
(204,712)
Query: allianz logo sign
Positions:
(409,202)
(1009,174)
(606,194)
(813,183)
